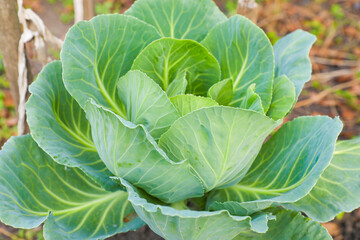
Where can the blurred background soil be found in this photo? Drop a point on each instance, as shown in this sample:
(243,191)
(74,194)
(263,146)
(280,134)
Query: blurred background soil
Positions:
(334,88)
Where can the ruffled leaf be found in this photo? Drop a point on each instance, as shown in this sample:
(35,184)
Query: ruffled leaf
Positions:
(59,126)
(177,86)
(245,55)
(146,103)
(182,19)
(131,153)
(338,188)
(286,169)
(168,59)
(290,225)
(97,53)
(292,58)
(283,99)
(251,101)
(222,92)
(220,143)
(188,103)
(187,224)
(32,186)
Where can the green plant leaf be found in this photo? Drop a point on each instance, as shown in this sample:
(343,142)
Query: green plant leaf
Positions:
(131,153)
(222,92)
(167,59)
(245,55)
(286,169)
(189,103)
(96,53)
(283,99)
(290,225)
(338,188)
(292,58)
(182,19)
(251,101)
(32,186)
(177,86)
(59,126)
(187,224)
(146,103)
(220,142)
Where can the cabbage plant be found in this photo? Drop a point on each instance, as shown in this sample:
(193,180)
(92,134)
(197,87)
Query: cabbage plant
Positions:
(171,115)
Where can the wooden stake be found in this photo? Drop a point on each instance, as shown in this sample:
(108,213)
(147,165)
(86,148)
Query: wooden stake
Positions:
(10,32)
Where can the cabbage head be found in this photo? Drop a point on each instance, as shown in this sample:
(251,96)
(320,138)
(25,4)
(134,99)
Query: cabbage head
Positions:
(171,115)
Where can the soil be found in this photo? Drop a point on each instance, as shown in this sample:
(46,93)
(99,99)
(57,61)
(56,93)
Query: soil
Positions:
(350,224)
(143,233)
(49,13)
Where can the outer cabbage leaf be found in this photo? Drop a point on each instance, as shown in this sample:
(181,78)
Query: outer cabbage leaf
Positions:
(32,186)
(167,59)
(290,225)
(182,19)
(96,53)
(219,142)
(245,55)
(146,103)
(284,97)
(338,188)
(292,58)
(189,103)
(129,152)
(222,92)
(187,224)
(286,169)
(59,126)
